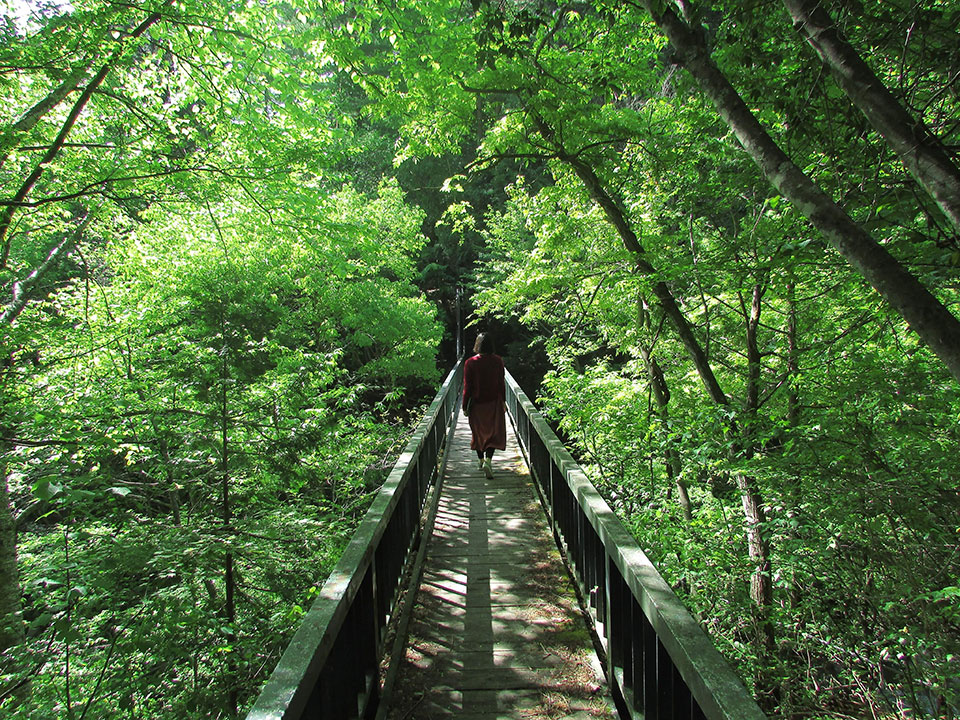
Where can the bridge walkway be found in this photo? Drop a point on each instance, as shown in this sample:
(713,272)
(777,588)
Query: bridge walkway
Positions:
(496,629)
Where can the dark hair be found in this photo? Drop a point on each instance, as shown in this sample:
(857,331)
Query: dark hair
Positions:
(484,344)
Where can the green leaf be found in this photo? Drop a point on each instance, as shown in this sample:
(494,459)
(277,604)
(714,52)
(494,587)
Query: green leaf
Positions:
(45,489)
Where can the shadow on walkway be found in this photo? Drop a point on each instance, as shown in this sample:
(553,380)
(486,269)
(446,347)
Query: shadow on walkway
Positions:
(496,629)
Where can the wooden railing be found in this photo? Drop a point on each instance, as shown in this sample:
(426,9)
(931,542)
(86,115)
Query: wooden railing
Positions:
(330,669)
(660,664)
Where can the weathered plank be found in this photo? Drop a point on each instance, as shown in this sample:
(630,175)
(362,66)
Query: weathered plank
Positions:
(496,629)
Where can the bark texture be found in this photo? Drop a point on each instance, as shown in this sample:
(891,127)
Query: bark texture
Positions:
(918,149)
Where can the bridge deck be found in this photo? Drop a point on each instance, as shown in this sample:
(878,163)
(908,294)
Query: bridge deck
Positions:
(496,630)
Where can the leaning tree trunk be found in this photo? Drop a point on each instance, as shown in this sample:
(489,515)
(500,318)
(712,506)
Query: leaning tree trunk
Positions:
(20,196)
(671,461)
(661,290)
(920,151)
(36,113)
(11,621)
(22,291)
(758,545)
(925,314)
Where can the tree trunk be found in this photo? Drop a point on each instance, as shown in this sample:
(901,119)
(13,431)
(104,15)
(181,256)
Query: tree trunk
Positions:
(920,151)
(761,585)
(758,543)
(661,396)
(7,213)
(11,621)
(791,485)
(32,116)
(926,315)
(752,403)
(21,290)
(230,610)
(793,358)
(661,290)
(761,589)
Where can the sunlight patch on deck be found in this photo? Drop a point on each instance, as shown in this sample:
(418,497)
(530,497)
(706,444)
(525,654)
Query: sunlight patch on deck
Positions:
(496,629)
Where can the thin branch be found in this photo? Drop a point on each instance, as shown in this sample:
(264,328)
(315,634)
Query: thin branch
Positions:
(490,159)
(89,188)
(6,215)
(22,288)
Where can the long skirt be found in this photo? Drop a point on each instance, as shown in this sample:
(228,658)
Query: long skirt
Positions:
(488,426)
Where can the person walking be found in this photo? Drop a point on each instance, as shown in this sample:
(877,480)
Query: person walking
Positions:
(484,402)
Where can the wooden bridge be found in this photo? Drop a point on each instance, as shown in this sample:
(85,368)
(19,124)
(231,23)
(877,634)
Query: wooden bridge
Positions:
(452,600)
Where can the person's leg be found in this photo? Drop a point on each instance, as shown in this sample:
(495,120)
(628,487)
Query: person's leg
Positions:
(480,458)
(488,463)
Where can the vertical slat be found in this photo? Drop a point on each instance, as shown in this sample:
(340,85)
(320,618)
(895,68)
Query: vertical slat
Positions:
(695,712)
(664,683)
(635,639)
(681,696)
(337,687)
(600,563)
(549,478)
(618,631)
(556,490)
(331,668)
(590,566)
(648,641)
(382,562)
(367,646)
(580,544)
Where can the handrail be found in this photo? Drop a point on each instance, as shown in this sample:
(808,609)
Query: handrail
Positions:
(330,669)
(660,663)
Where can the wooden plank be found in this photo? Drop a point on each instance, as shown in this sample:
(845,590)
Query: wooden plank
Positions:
(448,702)
(289,687)
(496,630)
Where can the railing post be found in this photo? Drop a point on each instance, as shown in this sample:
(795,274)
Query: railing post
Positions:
(660,663)
(330,669)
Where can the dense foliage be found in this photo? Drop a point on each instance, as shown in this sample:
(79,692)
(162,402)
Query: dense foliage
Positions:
(733,232)
(779,439)
(219,344)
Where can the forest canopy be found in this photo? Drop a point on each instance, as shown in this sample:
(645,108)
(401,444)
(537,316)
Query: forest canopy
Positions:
(720,242)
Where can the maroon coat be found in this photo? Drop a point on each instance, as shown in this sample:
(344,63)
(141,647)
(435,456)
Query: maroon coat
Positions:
(483,382)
